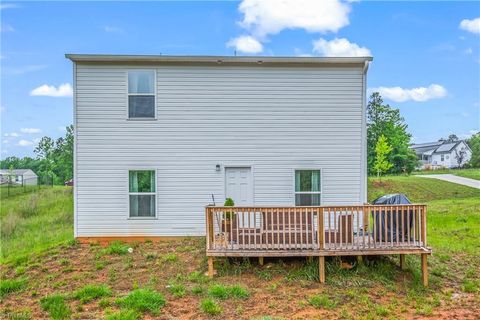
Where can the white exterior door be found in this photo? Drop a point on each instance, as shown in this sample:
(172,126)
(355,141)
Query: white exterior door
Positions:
(238,185)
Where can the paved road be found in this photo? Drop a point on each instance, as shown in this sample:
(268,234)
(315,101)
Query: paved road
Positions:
(453,178)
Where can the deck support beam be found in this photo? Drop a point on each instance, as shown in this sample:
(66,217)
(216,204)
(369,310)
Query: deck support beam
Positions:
(260,261)
(210,267)
(321,269)
(403,266)
(424,269)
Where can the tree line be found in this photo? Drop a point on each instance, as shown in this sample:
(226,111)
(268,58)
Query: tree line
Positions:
(53,161)
(388,147)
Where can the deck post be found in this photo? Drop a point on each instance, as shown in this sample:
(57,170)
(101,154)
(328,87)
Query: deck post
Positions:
(402,262)
(424,269)
(210,267)
(321,269)
(260,261)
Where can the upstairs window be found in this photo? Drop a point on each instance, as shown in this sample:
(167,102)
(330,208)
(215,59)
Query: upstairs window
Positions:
(142,193)
(141,94)
(307,188)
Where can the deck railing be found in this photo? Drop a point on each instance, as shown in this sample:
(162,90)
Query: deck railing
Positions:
(320,230)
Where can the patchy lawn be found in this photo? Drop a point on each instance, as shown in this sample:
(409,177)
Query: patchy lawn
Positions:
(166,279)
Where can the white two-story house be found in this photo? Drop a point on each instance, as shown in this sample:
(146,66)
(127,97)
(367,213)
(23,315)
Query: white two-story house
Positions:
(159,137)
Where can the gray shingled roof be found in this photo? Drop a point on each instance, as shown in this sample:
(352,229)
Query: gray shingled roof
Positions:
(17,172)
(430,148)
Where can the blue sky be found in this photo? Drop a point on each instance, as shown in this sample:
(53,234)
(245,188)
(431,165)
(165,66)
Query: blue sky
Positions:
(426,54)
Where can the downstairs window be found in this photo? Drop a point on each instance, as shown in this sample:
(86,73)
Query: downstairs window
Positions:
(307,188)
(142,193)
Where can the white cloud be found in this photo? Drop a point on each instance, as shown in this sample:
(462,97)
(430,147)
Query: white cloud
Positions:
(30,130)
(111,29)
(471,25)
(24,143)
(264,17)
(11,134)
(339,48)
(5,27)
(4,6)
(246,44)
(23,69)
(64,90)
(420,94)
(6,141)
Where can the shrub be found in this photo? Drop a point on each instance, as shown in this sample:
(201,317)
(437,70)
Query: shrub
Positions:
(209,306)
(124,315)
(143,300)
(228,203)
(218,291)
(91,292)
(116,247)
(321,301)
(56,307)
(11,285)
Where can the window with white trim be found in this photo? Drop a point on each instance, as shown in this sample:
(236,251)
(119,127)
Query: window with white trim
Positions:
(308,188)
(141,193)
(141,94)
(442,157)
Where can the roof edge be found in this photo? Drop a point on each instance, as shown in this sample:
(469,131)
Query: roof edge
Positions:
(213,59)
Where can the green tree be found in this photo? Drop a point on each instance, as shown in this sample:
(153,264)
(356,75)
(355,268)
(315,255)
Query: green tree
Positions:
(474,144)
(382,150)
(384,120)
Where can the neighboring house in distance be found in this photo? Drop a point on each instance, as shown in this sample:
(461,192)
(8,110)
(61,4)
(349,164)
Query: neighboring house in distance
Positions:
(18,177)
(442,154)
(157,136)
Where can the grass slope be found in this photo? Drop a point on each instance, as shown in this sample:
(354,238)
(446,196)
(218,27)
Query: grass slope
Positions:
(419,190)
(36,221)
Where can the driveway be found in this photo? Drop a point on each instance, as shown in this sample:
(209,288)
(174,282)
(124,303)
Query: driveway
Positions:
(453,178)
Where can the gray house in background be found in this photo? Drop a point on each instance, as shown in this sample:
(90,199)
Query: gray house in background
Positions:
(18,177)
(442,154)
(156,137)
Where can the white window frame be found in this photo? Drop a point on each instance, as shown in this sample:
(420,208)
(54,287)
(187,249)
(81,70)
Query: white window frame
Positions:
(308,192)
(129,217)
(128,94)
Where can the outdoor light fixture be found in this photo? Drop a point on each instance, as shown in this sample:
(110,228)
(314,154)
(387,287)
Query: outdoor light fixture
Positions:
(217,167)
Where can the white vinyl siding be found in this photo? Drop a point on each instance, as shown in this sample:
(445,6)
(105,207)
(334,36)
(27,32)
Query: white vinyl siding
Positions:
(274,119)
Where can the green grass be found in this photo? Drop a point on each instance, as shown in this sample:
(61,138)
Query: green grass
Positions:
(222,292)
(116,247)
(322,301)
(143,300)
(35,222)
(8,286)
(56,307)
(473,173)
(124,315)
(177,290)
(419,190)
(91,292)
(210,307)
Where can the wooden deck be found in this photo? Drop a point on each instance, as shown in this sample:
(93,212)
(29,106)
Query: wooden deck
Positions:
(317,231)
